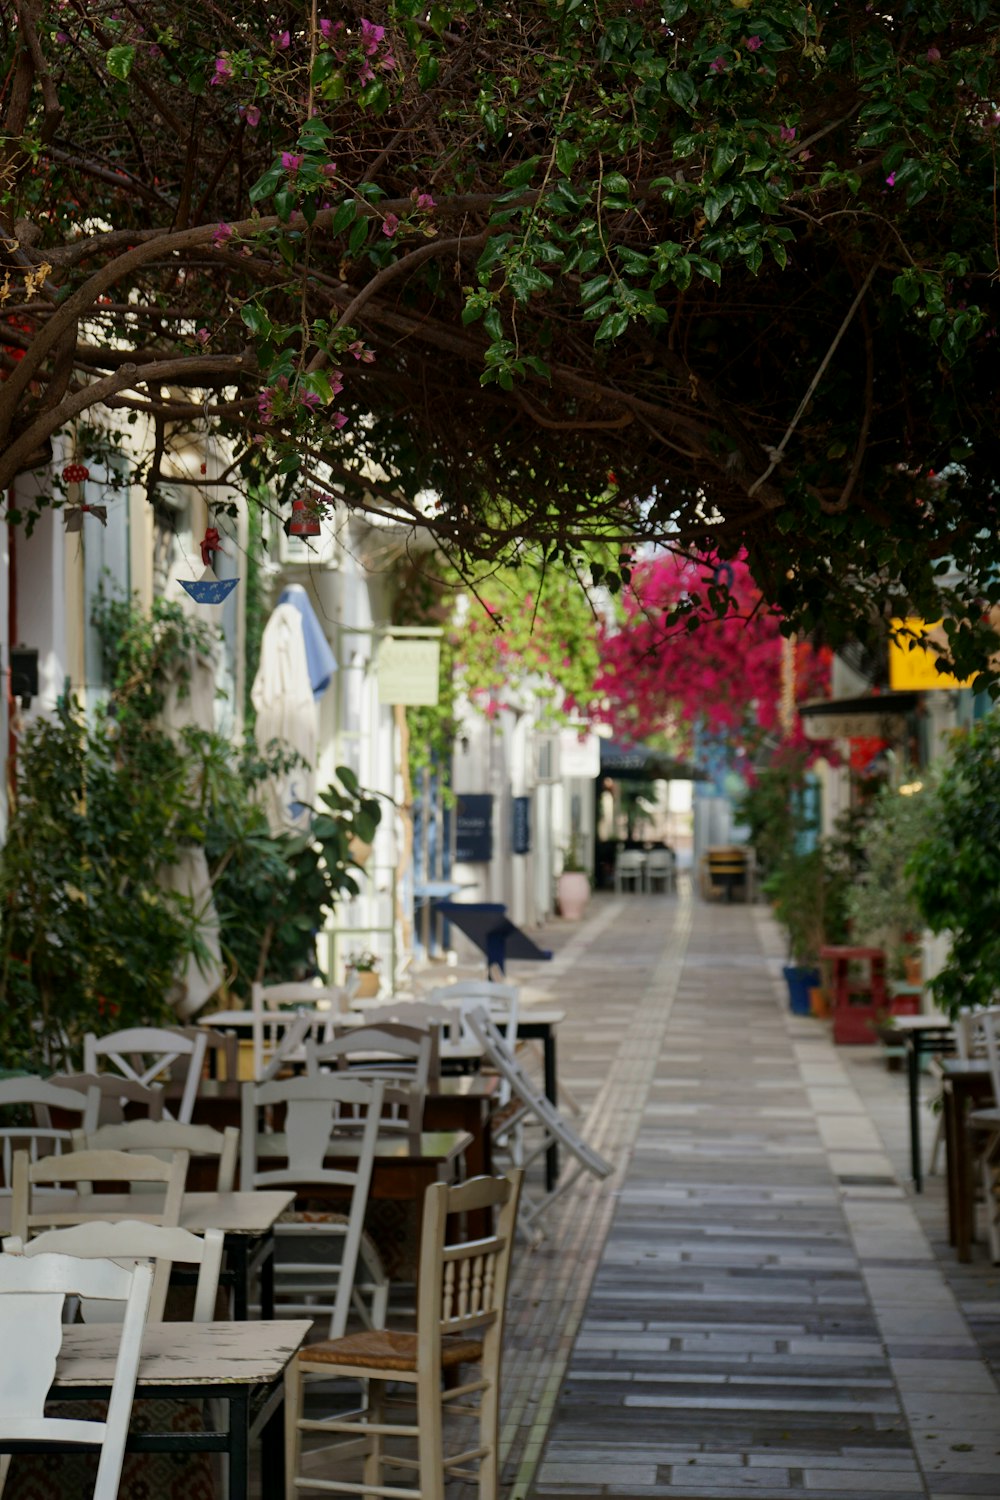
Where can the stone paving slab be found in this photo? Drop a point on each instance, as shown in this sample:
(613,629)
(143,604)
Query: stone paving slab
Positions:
(767,1310)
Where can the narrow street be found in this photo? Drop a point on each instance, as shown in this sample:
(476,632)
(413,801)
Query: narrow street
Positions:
(754,1303)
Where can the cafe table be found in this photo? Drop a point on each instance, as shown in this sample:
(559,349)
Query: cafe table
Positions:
(240,1364)
(920,1036)
(246,1219)
(967,1084)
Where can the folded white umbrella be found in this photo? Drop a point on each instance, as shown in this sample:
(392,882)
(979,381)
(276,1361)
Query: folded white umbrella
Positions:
(282,695)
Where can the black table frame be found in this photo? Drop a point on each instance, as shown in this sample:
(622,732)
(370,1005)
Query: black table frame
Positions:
(937,1039)
(253,1408)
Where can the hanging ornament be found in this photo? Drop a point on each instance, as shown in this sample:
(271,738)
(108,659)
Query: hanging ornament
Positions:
(73,515)
(75,473)
(305,521)
(208,589)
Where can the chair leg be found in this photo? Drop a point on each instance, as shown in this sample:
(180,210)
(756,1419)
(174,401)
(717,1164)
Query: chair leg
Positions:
(373,1440)
(430,1444)
(489,1438)
(293,1414)
(990,1170)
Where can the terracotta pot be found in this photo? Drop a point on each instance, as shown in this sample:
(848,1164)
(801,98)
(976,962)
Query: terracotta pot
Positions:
(913,970)
(819,1005)
(368,983)
(572,893)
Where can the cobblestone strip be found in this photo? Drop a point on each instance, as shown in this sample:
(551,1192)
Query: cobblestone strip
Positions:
(551,1285)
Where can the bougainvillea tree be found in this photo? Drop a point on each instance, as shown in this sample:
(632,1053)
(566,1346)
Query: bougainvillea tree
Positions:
(745,254)
(735,676)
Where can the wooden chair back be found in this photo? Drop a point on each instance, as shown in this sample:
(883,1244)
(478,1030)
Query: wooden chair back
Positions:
(79,1170)
(277,1037)
(145,1053)
(131,1240)
(313,1107)
(33,1291)
(115,1095)
(162,1138)
(400,1055)
(462,1284)
(40,1138)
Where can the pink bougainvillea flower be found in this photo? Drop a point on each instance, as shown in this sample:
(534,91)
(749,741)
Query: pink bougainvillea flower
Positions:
(424,201)
(371,37)
(388,62)
(309,400)
(336,381)
(717,65)
(338,419)
(389,225)
(933,55)
(329,169)
(365,73)
(223,70)
(291,162)
(752,43)
(787,133)
(281,39)
(203,335)
(222,236)
(890,181)
(361,352)
(250,113)
(329,29)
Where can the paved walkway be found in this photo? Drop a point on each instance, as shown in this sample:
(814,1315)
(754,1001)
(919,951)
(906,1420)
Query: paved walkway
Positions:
(751,1304)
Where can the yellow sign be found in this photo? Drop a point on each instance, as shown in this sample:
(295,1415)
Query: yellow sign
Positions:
(913,667)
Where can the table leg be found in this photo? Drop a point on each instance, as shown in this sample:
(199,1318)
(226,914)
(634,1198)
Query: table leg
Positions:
(965,1200)
(272,1455)
(551,1094)
(238,1256)
(267,1281)
(950,1156)
(239,1443)
(913,1076)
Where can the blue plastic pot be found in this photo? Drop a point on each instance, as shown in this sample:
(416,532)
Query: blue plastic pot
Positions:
(800,981)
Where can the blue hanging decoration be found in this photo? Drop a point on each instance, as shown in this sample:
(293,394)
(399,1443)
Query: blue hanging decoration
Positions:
(208,589)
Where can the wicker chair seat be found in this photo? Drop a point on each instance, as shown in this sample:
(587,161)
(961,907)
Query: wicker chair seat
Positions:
(386,1349)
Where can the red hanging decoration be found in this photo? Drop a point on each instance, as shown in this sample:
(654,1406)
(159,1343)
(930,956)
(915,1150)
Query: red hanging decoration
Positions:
(305,521)
(209,546)
(75,473)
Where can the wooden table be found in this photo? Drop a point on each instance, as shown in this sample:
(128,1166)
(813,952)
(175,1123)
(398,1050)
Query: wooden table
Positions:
(919,1035)
(246,1219)
(966,1085)
(242,1364)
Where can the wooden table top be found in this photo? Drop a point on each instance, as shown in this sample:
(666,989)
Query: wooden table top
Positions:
(252,1353)
(234,1213)
(435,1146)
(919,1023)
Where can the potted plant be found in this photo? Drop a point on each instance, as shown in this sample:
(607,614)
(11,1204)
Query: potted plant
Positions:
(882,902)
(363,964)
(796,891)
(573,883)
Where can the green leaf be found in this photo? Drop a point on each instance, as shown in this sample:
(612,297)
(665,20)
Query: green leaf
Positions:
(567,156)
(717,200)
(613,325)
(614,182)
(680,87)
(346,214)
(521,175)
(358,236)
(119,61)
(427,73)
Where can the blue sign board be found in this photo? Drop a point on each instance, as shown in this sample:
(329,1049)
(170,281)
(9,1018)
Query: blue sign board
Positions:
(521,833)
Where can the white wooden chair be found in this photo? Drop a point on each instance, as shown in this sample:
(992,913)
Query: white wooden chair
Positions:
(131,1240)
(534,1112)
(79,1170)
(984,1026)
(630,870)
(399,1055)
(145,1053)
(33,1290)
(41,1138)
(661,870)
(461,1295)
(313,1109)
(279,1039)
(115,1094)
(162,1138)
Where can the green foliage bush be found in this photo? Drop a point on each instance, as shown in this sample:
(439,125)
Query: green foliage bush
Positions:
(91,939)
(955,869)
